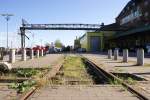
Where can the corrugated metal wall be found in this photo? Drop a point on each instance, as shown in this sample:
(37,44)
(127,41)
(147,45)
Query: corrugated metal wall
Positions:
(95,43)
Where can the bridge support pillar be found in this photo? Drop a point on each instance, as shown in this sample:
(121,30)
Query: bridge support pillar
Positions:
(22,30)
(125,55)
(109,53)
(42,52)
(140,57)
(37,53)
(24,56)
(12,57)
(116,54)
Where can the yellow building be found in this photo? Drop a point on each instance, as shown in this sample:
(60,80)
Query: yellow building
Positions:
(95,41)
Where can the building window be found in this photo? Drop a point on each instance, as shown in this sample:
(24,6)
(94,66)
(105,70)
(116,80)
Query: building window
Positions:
(132,11)
(146,3)
(146,14)
(146,24)
(134,15)
(133,4)
(138,7)
(123,11)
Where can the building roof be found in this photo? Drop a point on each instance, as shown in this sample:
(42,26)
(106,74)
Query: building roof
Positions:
(113,27)
(82,36)
(133,31)
(129,4)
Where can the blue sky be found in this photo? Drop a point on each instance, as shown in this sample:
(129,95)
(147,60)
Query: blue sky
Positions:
(55,11)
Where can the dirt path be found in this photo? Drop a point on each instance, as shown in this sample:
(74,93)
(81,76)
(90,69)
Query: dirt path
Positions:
(45,61)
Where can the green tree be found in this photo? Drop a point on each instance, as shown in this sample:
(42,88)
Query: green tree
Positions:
(58,44)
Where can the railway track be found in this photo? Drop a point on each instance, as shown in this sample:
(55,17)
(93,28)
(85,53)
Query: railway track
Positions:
(18,78)
(99,72)
(107,75)
(48,75)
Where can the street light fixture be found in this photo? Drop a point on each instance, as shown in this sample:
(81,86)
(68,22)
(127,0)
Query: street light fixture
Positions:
(7,17)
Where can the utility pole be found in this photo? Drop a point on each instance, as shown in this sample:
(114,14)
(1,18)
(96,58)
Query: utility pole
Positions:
(7,17)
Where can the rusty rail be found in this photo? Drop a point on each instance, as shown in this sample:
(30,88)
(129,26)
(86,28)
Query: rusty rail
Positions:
(111,76)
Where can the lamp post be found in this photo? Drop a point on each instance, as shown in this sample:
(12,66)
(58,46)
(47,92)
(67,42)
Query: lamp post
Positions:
(7,17)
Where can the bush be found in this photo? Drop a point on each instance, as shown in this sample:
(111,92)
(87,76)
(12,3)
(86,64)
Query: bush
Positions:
(22,87)
(27,72)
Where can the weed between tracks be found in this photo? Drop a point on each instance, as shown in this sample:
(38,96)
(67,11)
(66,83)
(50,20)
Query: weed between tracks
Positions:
(24,86)
(128,80)
(75,72)
(72,72)
(24,72)
(35,79)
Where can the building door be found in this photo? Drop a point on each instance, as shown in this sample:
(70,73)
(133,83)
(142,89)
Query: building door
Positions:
(95,43)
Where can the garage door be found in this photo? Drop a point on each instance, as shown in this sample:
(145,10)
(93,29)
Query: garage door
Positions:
(95,43)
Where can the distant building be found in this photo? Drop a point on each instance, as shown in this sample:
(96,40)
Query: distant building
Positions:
(77,44)
(94,41)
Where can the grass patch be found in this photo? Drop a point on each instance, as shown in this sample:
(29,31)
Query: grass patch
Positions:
(24,72)
(27,72)
(36,76)
(24,86)
(72,72)
(129,80)
(75,68)
(147,65)
(114,82)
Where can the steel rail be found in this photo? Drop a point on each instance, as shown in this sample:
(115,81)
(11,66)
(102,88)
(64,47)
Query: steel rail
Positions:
(28,94)
(109,75)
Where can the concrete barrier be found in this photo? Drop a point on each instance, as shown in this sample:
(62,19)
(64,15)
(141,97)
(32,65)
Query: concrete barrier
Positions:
(140,57)
(125,55)
(31,54)
(12,55)
(109,54)
(37,53)
(116,54)
(42,52)
(24,56)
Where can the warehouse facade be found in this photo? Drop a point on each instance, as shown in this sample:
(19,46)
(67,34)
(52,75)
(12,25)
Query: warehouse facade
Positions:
(135,18)
(94,41)
(131,30)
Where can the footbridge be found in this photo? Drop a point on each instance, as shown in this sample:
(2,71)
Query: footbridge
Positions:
(26,26)
(61,27)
